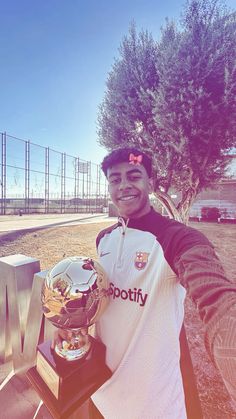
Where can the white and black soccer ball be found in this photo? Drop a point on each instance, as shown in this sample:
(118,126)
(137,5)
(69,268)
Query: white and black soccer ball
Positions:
(75,293)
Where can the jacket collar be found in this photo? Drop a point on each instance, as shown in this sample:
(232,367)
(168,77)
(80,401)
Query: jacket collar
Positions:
(134,222)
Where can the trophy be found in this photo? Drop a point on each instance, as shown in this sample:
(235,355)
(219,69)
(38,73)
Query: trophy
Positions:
(74,295)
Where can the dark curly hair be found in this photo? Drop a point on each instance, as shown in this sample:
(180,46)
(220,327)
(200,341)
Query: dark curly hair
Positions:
(122,155)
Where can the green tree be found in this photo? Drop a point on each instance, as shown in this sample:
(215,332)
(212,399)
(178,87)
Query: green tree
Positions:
(176,99)
(128,100)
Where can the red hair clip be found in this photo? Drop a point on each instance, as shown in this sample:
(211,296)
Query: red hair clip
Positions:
(135,159)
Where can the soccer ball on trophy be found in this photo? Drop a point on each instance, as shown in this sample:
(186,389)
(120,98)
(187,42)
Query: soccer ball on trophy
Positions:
(74,295)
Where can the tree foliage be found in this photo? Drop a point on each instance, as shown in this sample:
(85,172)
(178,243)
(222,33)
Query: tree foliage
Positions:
(176,99)
(128,99)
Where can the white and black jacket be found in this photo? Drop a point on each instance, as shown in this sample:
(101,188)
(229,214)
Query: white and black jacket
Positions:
(150,263)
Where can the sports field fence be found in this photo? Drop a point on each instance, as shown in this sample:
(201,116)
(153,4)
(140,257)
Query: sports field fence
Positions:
(37,179)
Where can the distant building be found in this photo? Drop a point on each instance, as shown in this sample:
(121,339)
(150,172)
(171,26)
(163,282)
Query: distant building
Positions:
(221,196)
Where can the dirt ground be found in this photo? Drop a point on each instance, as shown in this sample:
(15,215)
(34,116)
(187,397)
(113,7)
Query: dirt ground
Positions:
(50,245)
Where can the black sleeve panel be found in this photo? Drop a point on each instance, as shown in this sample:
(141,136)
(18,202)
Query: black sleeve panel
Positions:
(203,276)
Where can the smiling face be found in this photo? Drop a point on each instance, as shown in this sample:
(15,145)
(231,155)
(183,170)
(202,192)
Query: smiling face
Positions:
(129,188)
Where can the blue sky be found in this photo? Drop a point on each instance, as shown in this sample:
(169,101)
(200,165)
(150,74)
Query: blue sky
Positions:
(55,58)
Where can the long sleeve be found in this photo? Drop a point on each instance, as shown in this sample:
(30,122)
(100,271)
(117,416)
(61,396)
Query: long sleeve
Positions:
(201,273)
(224,349)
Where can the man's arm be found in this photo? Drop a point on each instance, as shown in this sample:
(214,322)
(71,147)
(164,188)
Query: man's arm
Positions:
(223,348)
(201,273)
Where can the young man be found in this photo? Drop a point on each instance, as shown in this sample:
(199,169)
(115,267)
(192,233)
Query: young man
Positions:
(150,261)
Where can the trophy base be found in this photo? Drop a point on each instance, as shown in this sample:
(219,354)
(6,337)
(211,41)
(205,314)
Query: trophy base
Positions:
(64,388)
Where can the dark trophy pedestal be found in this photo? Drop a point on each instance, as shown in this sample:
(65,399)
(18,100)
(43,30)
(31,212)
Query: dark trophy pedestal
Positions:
(65,385)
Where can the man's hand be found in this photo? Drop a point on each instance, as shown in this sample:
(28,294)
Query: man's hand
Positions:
(59,336)
(70,336)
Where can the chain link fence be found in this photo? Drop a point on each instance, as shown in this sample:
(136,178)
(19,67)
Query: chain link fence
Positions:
(37,179)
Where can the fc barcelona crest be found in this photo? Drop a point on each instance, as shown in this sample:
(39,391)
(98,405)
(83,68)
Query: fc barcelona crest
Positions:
(141,260)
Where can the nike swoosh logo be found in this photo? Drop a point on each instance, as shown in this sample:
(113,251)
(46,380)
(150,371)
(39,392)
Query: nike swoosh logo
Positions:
(104,254)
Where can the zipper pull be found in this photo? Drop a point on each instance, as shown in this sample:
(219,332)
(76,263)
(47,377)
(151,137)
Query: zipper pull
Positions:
(124,224)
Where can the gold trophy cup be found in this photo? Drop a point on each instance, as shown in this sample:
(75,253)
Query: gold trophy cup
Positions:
(74,295)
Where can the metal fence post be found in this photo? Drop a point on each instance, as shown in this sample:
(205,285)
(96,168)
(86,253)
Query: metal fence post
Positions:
(46,197)
(3,174)
(63,186)
(76,183)
(27,175)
